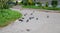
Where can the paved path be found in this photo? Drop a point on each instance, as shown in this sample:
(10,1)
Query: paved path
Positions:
(34,21)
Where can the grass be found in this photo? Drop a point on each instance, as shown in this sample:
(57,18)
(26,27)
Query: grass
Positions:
(51,8)
(41,7)
(31,6)
(7,16)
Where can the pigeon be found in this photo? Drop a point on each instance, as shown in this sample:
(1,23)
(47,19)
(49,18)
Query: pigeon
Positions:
(31,13)
(31,18)
(20,20)
(47,16)
(27,29)
(27,20)
(36,18)
(25,14)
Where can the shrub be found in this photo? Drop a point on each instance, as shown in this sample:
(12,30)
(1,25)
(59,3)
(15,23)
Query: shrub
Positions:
(16,3)
(39,3)
(20,3)
(54,3)
(46,4)
(24,2)
(30,2)
(4,4)
(27,2)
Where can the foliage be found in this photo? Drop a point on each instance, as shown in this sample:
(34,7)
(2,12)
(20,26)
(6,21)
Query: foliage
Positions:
(7,16)
(16,3)
(24,2)
(27,2)
(54,3)
(4,4)
(30,2)
(39,3)
(21,3)
(46,4)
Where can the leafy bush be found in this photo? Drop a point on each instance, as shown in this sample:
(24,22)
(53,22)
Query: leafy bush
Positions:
(46,4)
(24,2)
(54,3)
(16,3)
(20,3)
(30,2)
(27,2)
(4,4)
(39,3)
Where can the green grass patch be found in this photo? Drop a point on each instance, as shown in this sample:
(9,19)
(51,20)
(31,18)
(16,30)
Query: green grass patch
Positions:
(41,7)
(32,6)
(7,16)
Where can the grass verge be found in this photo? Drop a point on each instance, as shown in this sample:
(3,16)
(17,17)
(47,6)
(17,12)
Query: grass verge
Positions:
(7,16)
(41,7)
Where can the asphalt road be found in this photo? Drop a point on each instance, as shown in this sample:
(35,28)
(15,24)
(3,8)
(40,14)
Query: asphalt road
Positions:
(38,22)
